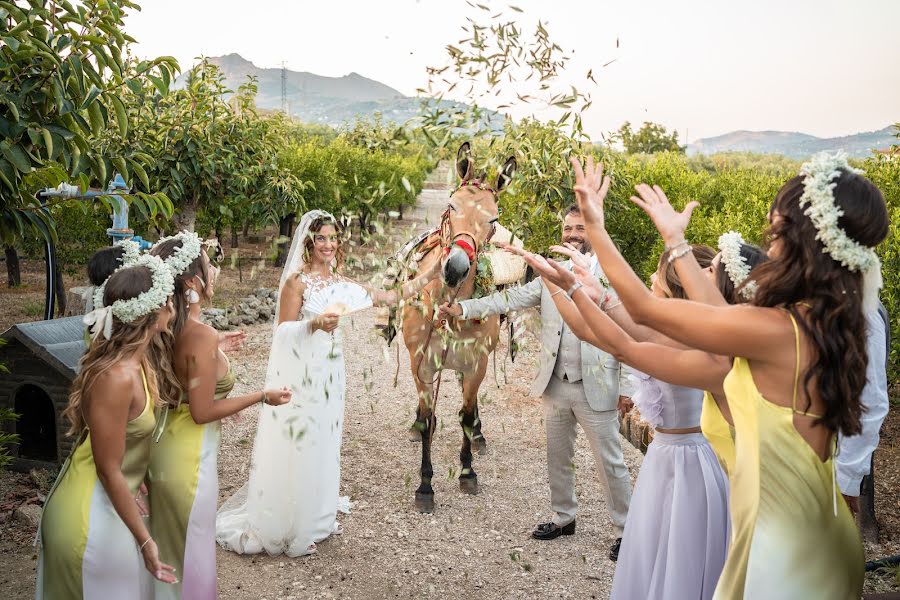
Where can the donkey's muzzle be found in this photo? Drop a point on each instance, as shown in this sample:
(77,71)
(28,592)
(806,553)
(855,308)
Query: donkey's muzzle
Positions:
(456,266)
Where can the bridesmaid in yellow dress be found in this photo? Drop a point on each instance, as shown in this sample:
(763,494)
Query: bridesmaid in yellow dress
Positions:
(93,540)
(800,348)
(183,476)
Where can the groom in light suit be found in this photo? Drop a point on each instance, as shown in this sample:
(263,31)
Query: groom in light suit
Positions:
(579,385)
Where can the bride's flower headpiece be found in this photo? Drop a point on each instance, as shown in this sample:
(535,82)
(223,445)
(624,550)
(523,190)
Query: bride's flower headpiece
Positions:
(736,266)
(187,253)
(163,285)
(819,180)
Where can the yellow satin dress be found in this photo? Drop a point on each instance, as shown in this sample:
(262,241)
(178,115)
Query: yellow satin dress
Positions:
(793,536)
(184,491)
(87,551)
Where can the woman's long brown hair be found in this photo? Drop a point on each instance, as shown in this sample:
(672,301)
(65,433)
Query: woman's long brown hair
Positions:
(126,338)
(802,275)
(163,348)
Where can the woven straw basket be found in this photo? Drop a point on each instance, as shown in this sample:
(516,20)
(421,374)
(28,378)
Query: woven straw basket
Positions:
(508,268)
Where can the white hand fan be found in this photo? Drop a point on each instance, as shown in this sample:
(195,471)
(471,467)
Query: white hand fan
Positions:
(342,298)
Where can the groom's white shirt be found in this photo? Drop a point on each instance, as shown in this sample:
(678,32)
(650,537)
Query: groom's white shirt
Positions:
(604,378)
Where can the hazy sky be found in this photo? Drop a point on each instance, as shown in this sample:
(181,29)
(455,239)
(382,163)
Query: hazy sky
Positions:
(703,67)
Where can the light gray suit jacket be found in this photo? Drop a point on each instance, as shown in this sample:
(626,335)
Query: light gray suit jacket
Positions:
(604,378)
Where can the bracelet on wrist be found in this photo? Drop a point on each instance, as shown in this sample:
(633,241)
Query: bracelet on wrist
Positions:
(676,254)
(672,247)
(575,287)
(147,541)
(264,399)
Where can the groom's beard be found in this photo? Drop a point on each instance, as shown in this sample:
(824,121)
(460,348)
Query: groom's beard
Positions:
(582,244)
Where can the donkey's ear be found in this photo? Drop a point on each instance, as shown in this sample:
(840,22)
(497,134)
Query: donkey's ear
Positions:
(506,173)
(465,166)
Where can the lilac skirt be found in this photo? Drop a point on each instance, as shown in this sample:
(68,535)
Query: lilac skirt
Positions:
(678,527)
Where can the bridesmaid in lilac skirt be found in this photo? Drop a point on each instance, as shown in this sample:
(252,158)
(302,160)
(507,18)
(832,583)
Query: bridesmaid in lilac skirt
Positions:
(678,527)
(676,535)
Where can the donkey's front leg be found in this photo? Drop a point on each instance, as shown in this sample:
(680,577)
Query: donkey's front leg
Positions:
(425,423)
(471,426)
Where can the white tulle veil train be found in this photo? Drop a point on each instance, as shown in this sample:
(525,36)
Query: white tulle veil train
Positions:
(292,488)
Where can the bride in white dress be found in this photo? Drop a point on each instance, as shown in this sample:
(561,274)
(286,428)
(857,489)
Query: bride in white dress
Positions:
(291,499)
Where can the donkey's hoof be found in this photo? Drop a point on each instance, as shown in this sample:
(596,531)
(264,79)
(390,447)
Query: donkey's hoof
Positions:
(469,485)
(414,435)
(425,503)
(479,446)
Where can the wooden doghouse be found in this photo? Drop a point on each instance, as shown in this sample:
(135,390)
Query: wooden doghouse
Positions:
(42,358)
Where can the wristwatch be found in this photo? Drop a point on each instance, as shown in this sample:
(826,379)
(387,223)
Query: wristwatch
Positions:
(574,288)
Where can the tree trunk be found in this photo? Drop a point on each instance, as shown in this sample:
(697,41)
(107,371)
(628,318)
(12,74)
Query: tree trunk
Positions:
(285,227)
(185,219)
(401,212)
(60,289)
(246,232)
(234,237)
(13,272)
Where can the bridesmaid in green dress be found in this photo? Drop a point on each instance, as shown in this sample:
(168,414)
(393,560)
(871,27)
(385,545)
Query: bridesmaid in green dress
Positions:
(93,540)
(183,476)
(798,372)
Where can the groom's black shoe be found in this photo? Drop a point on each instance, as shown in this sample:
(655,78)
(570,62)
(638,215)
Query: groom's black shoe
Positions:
(614,551)
(551,531)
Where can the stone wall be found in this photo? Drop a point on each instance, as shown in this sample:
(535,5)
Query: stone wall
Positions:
(257,308)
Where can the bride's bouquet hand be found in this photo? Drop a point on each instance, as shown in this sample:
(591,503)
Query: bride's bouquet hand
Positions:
(670,223)
(277,397)
(326,322)
(590,188)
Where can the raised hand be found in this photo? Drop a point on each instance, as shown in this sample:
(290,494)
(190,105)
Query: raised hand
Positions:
(591,187)
(670,223)
(578,259)
(593,288)
(229,341)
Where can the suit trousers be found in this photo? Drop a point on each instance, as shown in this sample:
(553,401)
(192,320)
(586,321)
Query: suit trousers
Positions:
(565,407)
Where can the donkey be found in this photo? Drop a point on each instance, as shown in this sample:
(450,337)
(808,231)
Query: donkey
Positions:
(462,346)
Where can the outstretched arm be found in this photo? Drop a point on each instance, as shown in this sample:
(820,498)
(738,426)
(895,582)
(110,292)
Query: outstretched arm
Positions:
(690,368)
(405,291)
(200,374)
(751,332)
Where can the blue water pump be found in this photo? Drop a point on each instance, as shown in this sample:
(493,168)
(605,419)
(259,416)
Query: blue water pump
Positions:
(118,231)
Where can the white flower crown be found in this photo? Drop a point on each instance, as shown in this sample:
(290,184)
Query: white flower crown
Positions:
(128,311)
(131,252)
(183,256)
(818,193)
(736,265)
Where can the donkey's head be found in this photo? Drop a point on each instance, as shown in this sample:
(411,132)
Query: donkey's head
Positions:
(471,216)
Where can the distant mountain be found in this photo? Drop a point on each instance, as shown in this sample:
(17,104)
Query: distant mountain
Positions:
(317,99)
(794,145)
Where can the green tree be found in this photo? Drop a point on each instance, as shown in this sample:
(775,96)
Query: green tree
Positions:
(63,72)
(649,139)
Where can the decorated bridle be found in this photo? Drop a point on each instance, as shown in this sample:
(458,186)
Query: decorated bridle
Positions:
(447,243)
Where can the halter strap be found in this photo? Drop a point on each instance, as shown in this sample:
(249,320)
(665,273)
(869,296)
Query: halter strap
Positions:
(475,183)
(797,370)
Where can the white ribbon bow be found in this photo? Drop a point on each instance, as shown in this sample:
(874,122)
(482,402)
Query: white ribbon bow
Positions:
(99,320)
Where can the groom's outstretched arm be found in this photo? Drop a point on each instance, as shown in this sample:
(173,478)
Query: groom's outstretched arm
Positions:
(504,301)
